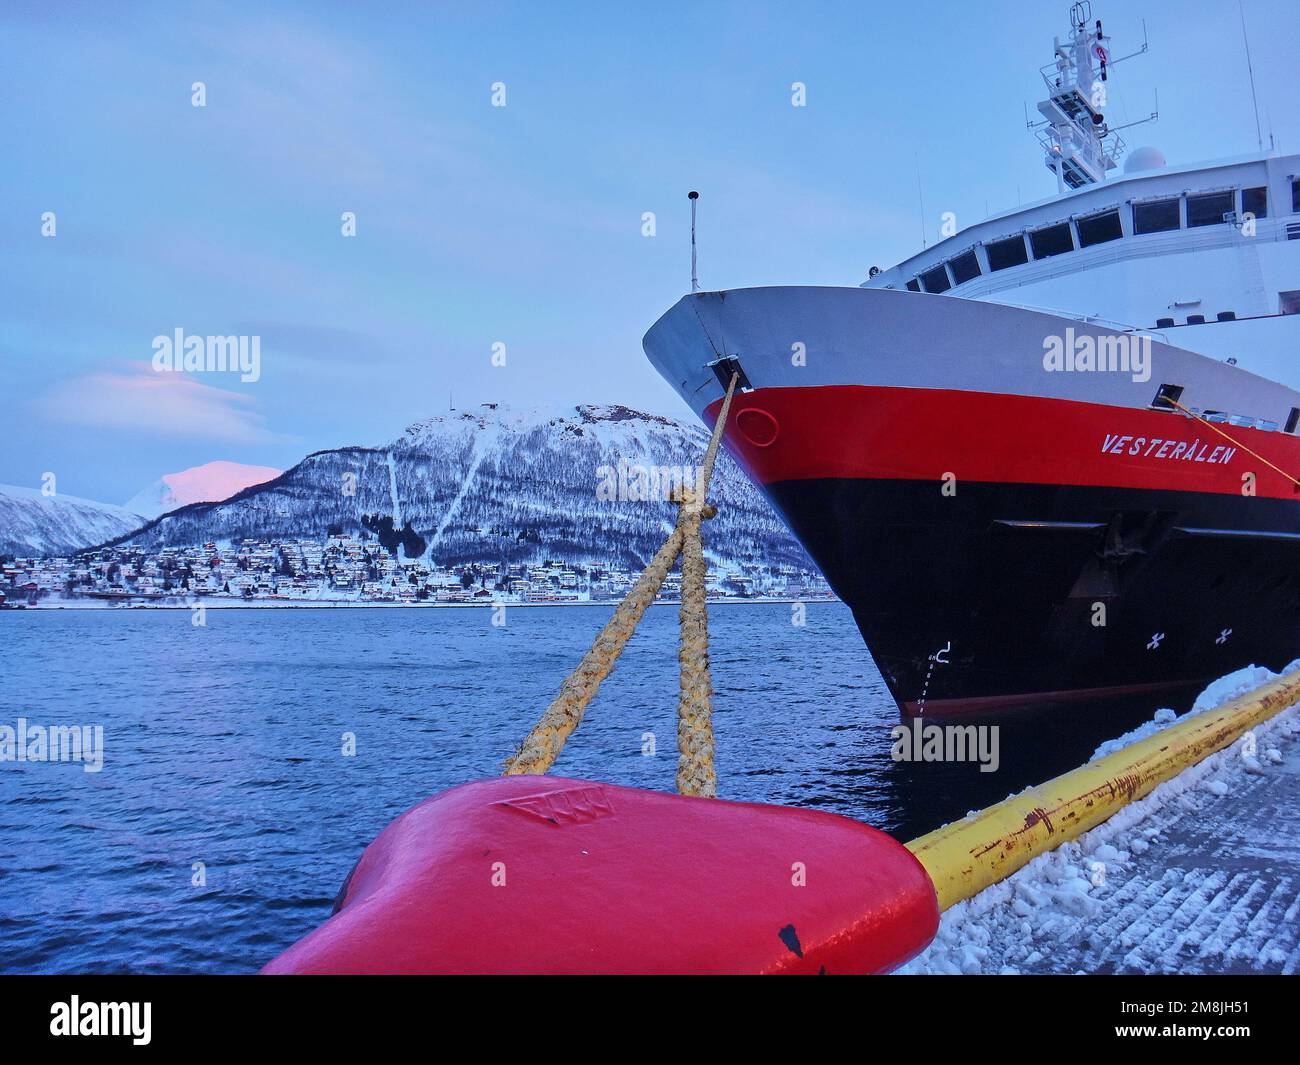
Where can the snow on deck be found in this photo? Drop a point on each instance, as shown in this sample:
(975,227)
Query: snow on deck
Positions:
(1201,876)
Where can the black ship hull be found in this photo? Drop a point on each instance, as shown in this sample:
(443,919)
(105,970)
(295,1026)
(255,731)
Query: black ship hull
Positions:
(1005,595)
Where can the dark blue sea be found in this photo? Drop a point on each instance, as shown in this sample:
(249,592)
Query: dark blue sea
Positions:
(222,746)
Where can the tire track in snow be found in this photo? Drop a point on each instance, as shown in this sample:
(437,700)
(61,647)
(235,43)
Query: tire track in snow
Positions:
(483,442)
(392,490)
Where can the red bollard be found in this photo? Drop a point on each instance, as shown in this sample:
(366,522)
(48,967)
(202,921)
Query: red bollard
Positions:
(532,874)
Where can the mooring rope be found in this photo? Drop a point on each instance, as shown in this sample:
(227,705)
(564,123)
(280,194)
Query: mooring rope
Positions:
(711,452)
(543,744)
(1295,484)
(695,772)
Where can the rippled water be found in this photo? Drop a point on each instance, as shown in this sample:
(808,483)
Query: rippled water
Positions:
(223,746)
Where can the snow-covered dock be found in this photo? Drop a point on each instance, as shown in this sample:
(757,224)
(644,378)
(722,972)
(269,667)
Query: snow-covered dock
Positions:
(1201,876)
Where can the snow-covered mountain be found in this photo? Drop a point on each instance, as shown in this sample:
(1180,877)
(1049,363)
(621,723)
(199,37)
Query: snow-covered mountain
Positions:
(495,485)
(210,483)
(33,524)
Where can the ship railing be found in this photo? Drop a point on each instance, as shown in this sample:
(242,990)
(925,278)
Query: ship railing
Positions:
(1060,80)
(1092,319)
(1104,153)
(1113,148)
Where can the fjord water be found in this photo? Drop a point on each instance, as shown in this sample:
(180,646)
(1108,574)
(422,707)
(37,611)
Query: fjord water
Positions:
(223,746)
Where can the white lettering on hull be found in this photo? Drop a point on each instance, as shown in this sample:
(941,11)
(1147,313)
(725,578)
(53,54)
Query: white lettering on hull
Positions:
(1168,450)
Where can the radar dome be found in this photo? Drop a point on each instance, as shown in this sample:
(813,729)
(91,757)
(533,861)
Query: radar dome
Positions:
(1144,159)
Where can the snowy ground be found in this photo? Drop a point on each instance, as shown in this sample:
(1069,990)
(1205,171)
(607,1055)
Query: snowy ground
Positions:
(1201,876)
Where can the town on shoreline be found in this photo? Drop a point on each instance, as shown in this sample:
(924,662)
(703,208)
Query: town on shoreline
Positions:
(347,570)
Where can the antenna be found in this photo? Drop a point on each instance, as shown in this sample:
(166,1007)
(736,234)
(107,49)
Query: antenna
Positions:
(1079,146)
(693,196)
(921,199)
(1259,137)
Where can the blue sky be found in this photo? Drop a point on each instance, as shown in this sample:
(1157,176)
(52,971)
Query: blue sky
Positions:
(476,224)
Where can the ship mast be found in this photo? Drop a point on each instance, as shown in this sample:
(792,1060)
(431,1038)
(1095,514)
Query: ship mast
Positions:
(1079,146)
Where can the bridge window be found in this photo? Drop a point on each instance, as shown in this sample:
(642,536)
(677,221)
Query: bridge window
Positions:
(1051,240)
(914,285)
(964,267)
(1099,228)
(1005,253)
(1164,323)
(1196,319)
(1295,195)
(936,280)
(1156,216)
(1227,316)
(1208,210)
(1255,201)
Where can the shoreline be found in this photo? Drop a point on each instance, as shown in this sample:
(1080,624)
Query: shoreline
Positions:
(342,605)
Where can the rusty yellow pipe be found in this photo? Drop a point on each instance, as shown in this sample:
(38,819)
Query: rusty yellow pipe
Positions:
(967,856)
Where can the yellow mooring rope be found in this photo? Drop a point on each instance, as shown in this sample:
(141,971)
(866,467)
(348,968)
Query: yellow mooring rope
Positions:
(695,773)
(1233,440)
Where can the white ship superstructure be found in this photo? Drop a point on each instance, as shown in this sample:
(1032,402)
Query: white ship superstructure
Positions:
(1203,257)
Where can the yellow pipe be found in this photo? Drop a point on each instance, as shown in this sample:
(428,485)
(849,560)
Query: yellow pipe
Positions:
(967,856)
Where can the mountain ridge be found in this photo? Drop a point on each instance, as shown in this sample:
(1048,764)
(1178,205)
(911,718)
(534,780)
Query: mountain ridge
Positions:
(495,484)
(32,522)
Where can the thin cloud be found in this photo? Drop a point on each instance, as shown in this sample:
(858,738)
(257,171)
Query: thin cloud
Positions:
(140,400)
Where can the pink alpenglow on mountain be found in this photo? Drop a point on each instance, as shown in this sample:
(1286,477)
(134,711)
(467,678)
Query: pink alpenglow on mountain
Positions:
(210,483)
